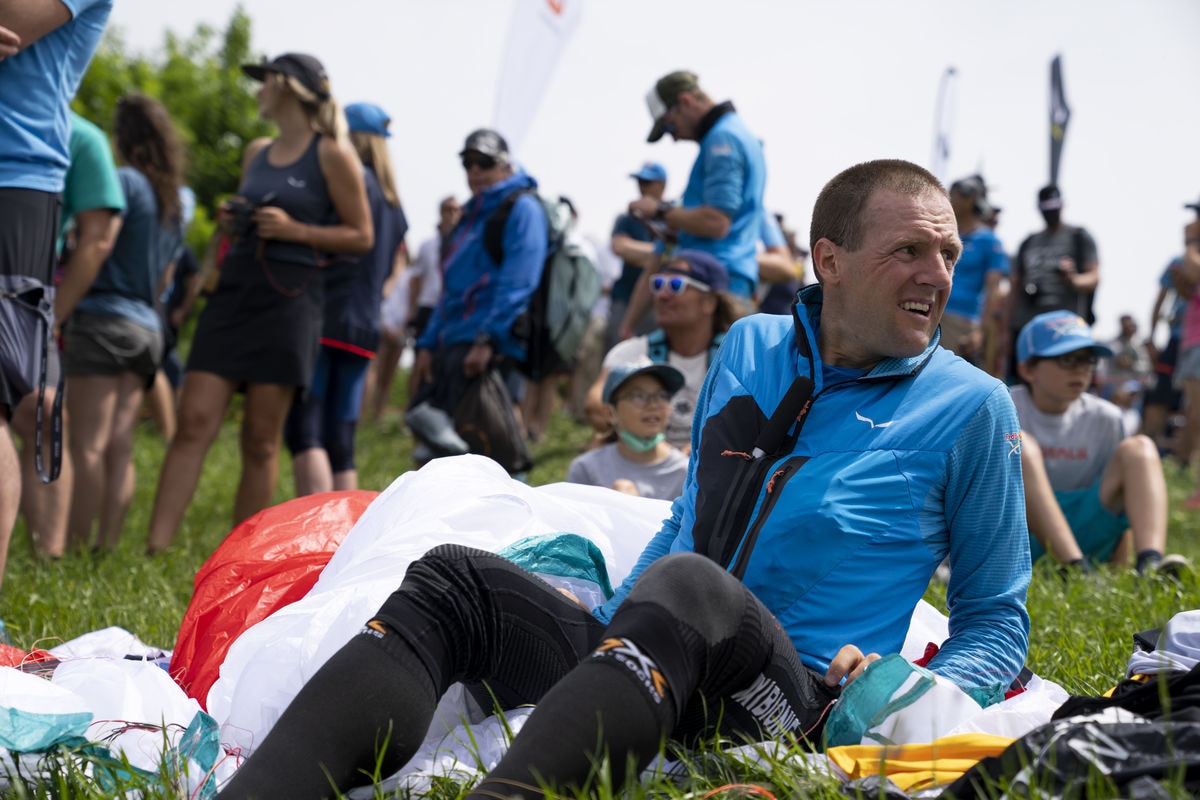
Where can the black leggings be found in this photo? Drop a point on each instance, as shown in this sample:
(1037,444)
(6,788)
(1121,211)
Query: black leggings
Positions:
(689,653)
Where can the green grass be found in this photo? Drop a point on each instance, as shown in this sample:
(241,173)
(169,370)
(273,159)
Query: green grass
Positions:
(1081,629)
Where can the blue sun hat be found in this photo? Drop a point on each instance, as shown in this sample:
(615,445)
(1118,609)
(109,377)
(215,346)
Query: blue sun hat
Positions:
(368,118)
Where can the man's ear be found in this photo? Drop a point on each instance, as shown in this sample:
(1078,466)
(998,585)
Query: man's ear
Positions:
(825,261)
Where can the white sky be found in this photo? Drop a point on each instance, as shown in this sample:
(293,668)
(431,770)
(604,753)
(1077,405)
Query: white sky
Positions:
(824,84)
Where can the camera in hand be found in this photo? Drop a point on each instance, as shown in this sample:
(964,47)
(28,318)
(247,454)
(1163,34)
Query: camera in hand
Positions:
(241,214)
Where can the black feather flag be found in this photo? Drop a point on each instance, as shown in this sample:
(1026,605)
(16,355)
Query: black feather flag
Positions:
(1060,113)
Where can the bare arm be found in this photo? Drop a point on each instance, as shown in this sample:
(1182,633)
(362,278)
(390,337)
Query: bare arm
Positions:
(704,221)
(639,301)
(30,20)
(776,265)
(399,264)
(95,234)
(1085,280)
(633,251)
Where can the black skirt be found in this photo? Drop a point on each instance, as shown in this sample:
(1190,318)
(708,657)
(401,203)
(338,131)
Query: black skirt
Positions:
(262,324)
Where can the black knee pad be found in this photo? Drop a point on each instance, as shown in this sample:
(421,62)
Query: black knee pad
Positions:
(695,590)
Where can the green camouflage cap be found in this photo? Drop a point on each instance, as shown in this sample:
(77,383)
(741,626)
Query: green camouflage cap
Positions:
(666,94)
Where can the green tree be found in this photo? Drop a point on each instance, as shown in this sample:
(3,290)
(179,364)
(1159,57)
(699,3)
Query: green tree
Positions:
(199,80)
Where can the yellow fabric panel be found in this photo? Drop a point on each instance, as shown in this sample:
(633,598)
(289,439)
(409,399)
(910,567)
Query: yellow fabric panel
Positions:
(919,766)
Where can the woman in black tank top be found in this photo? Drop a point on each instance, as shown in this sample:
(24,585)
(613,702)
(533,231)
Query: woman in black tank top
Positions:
(301,201)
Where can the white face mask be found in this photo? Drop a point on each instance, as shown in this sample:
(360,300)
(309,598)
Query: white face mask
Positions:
(641,444)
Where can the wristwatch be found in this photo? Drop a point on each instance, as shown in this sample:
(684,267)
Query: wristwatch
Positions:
(482,338)
(663,208)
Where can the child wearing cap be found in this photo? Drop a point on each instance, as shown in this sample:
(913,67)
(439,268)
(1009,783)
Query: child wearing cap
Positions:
(638,459)
(1086,483)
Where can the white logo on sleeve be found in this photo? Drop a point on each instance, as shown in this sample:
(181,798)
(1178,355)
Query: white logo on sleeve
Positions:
(872,422)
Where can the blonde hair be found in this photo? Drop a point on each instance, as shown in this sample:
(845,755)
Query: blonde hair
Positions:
(372,151)
(327,116)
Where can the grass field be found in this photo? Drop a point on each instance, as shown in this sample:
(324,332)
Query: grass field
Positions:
(1081,629)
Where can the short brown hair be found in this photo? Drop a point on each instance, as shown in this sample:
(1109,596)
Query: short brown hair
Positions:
(837,214)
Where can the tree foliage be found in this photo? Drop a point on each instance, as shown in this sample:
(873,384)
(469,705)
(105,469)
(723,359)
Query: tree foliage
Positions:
(199,80)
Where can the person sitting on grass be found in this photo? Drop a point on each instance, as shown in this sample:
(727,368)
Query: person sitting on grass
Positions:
(638,459)
(1086,482)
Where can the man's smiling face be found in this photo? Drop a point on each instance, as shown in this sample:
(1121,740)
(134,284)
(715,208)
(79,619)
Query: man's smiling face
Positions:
(885,299)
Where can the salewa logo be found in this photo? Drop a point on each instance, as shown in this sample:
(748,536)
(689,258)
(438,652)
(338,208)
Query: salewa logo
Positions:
(872,422)
(298,183)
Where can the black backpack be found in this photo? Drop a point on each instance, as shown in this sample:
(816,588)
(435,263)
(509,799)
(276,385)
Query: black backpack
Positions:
(551,328)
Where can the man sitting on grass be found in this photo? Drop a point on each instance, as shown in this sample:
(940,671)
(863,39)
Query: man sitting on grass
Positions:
(838,456)
(1086,483)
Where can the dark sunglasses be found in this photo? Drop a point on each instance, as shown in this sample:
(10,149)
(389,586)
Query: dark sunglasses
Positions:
(483,162)
(675,284)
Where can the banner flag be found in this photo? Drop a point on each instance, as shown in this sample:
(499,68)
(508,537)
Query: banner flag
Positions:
(537,35)
(946,106)
(1060,113)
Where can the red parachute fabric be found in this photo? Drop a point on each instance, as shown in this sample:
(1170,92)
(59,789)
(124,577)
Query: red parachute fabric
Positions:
(269,561)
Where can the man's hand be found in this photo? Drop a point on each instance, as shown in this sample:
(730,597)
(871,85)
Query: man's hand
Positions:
(644,207)
(479,357)
(10,43)
(422,371)
(849,663)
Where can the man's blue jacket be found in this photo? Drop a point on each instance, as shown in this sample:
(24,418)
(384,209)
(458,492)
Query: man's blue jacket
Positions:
(839,532)
(479,295)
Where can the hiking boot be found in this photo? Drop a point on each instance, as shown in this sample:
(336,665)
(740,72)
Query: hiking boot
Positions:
(436,428)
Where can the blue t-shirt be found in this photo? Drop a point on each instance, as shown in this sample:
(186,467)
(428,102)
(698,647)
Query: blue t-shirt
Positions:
(637,230)
(127,282)
(730,175)
(36,87)
(982,253)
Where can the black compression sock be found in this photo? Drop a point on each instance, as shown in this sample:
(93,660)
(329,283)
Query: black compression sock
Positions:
(602,699)
(332,733)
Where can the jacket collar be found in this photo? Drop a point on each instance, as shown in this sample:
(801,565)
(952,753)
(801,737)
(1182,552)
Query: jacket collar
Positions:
(808,323)
(710,119)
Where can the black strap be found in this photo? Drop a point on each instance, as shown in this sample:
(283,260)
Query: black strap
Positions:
(55,418)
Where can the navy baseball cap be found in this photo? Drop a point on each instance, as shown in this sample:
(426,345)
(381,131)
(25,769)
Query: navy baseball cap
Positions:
(650,171)
(368,118)
(668,376)
(702,266)
(1055,333)
(301,66)
(1193,206)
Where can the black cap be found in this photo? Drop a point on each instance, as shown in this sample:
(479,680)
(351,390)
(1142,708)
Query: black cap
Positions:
(1049,198)
(487,142)
(301,66)
(1193,206)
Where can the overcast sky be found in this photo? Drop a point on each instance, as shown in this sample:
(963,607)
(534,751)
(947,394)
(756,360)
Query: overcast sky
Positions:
(824,84)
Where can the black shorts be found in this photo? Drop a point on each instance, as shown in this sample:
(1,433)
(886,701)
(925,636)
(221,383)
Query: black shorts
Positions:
(28,232)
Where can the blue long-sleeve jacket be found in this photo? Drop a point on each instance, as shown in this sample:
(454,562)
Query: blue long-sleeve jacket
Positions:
(914,461)
(478,295)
